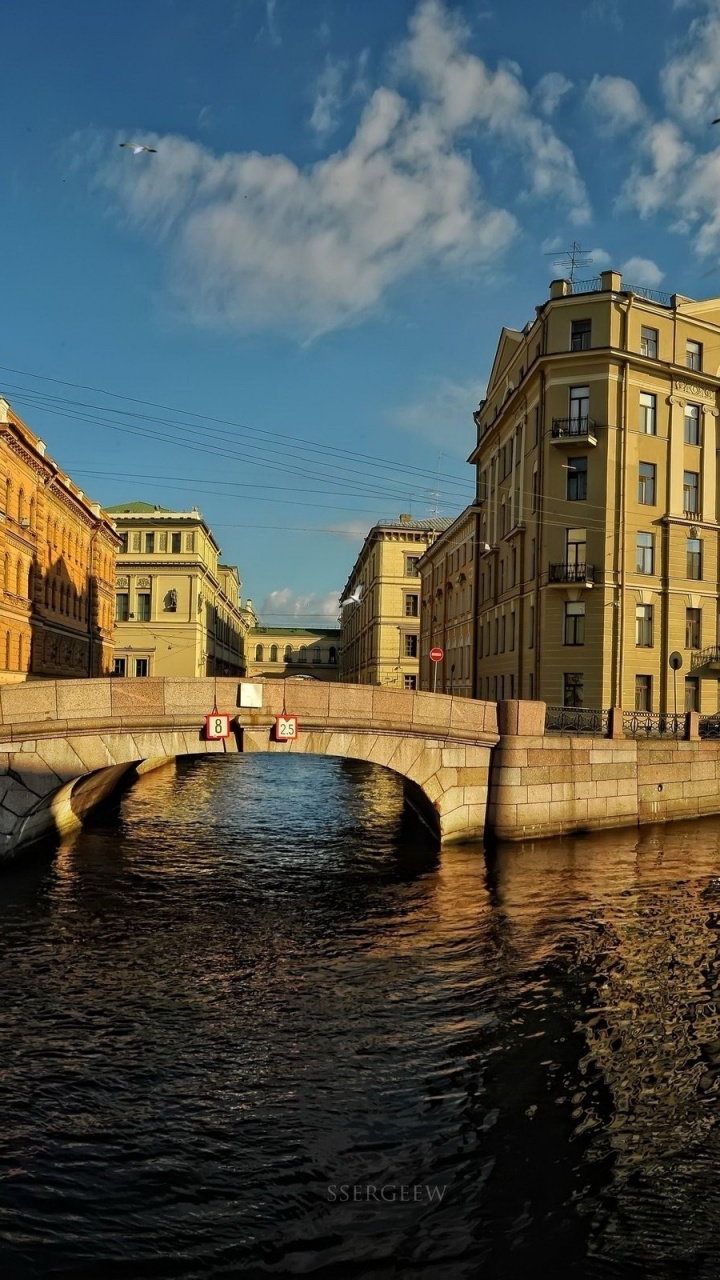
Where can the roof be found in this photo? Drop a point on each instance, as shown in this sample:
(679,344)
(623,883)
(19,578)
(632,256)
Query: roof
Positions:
(138,508)
(296,631)
(433,525)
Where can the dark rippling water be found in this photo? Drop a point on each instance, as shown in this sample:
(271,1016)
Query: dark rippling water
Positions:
(258,995)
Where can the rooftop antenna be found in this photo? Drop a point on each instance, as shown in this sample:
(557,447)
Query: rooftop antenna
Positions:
(571,260)
(434,494)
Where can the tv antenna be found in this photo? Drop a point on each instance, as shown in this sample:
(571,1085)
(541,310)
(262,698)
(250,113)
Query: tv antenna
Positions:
(571,260)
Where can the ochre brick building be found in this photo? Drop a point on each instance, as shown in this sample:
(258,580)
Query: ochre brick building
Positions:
(57,565)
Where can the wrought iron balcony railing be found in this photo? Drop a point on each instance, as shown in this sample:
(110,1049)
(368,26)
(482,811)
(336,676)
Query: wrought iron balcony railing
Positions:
(572,428)
(571,573)
(710,726)
(653,724)
(577,720)
(703,657)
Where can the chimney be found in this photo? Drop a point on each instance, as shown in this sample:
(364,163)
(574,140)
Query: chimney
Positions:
(405,518)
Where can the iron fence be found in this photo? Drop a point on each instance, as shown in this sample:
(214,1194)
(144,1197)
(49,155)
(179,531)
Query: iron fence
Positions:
(653,724)
(710,726)
(577,720)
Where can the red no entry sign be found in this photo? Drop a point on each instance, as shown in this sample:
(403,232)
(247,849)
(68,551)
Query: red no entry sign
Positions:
(436,655)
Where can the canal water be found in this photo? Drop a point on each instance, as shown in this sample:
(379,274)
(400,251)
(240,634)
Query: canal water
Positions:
(254,1025)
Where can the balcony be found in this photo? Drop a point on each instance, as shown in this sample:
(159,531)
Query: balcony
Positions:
(706,661)
(581,575)
(573,430)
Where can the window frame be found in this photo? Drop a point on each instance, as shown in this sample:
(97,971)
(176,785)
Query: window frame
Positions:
(647,484)
(649,337)
(647,414)
(644,626)
(645,552)
(577,477)
(574,623)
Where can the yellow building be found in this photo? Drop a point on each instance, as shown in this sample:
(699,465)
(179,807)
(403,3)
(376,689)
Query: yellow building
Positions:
(279,652)
(448,603)
(177,609)
(381,630)
(57,557)
(597,484)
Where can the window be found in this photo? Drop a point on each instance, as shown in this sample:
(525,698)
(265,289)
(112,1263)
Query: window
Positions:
(411,606)
(411,646)
(536,425)
(122,606)
(119,666)
(532,558)
(693,355)
(135,541)
(317,656)
(143,606)
(411,566)
(643,693)
(575,547)
(572,689)
(694,558)
(531,628)
(501,583)
(646,484)
(175,543)
(332,656)
(693,626)
(162,541)
(580,335)
(574,624)
(692,423)
(645,553)
(577,479)
(649,342)
(302,655)
(648,414)
(644,626)
(259,653)
(692,693)
(141,666)
(511,645)
(149,543)
(123,543)
(410,682)
(273,653)
(579,404)
(691,493)
(190,542)
(535,491)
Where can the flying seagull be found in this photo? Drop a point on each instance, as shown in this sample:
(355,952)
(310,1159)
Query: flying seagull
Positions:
(716,121)
(137,147)
(353,599)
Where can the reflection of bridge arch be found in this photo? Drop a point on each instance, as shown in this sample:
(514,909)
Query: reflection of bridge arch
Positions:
(67,744)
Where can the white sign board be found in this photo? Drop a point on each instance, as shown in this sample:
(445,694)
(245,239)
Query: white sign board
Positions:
(251,695)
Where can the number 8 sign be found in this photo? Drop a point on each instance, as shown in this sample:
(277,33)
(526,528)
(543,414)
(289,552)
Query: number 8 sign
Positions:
(217,726)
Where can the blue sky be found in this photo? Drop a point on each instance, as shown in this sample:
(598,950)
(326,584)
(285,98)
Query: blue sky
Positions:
(287,315)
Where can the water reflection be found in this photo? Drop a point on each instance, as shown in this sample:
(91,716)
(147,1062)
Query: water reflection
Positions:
(261,983)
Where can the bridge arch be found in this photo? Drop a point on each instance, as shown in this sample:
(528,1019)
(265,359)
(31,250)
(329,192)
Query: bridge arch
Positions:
(66,745)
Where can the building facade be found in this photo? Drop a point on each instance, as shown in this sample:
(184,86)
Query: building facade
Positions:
(178,610)
(448,608)
(57,553)
(381,630)
(597,488)
(279,652)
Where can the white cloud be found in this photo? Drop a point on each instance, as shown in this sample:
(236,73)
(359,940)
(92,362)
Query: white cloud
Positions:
(615,104)
(643,272)
(464,93)
(328,98)
(648,190)
(600,259)
(443,414)
(253,241)
(285,607)
(550,90)
(691,79)
(353,530)
(270,24)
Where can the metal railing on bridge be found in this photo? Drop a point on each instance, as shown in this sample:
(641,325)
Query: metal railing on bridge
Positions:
(575,720)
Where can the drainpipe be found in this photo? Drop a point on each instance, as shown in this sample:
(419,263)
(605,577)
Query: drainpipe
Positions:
(539,526)
(621,550)
(475,608)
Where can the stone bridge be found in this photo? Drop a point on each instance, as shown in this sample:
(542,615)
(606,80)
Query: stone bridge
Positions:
(66,745)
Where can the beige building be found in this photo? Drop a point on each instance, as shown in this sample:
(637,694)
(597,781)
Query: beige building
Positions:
(279,652)
(178,610)
(381,631)
(57,560)
(597,486)
(448,603)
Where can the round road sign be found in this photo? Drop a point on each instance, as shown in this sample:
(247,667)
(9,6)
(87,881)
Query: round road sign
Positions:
(676,660)
(436,655)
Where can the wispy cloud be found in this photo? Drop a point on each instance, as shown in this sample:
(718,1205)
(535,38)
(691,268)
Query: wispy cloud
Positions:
(253,241)
(328,98)
(550,90)
(286,608)
(442,413)
(615,104)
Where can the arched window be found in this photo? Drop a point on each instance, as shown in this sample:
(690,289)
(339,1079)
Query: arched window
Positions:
(332,657)
(53,603)
(32,513)
(8,495)
(7,650)
(287,655)
(21,652)
(47,593)
(302,656)
(30,583)
(259,653)
(19,578)
(273,653)
(21,504)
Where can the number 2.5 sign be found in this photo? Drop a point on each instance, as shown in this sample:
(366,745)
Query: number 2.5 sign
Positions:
(217,726)
(286,728)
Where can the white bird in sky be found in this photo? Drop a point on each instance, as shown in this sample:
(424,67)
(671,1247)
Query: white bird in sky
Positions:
(353,599)
(137,147)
